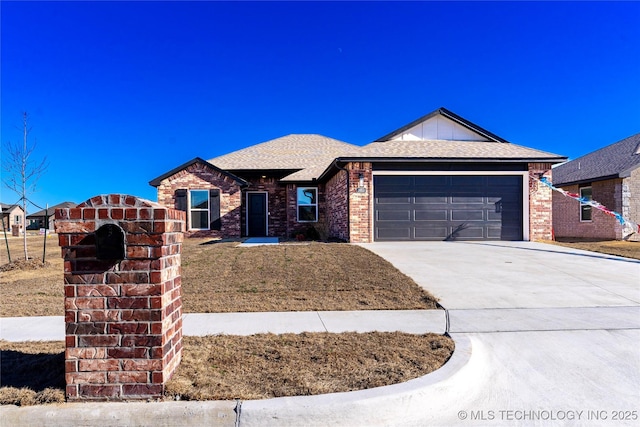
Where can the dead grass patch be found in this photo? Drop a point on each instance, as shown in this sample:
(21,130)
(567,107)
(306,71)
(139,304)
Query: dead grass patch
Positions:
(221,277)
(31,373)
(261,366)
(610,247)
(265,366)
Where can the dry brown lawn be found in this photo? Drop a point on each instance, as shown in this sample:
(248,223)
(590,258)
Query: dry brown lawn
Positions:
(256,367)
(221,277)
(609,247)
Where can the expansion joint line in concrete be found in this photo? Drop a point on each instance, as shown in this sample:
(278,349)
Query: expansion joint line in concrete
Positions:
(238,410)
(321,321)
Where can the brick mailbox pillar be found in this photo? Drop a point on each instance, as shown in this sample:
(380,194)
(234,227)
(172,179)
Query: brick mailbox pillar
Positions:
(123,307)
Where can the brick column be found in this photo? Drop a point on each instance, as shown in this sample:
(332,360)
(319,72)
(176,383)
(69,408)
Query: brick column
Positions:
(360,204)
(540,203)
(123,307)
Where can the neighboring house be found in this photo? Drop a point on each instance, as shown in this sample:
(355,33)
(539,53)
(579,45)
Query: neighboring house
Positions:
(12,215)
(45,218)
(439,177)
(610,176)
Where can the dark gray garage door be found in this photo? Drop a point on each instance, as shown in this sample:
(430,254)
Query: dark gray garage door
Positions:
(448,207)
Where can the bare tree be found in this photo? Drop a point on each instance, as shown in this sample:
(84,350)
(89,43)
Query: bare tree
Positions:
(22,172)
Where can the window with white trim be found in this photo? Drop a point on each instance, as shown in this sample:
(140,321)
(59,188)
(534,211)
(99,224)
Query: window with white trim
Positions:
(585,210)
(199,209)
(202,208)
(307,204)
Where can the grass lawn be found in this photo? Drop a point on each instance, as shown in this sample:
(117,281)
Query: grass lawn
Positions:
(262,366)
(221,277)
(610,247)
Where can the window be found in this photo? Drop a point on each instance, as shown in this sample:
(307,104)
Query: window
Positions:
(199,209)
(202,208)
(307,204)
(17,219)
(585,210)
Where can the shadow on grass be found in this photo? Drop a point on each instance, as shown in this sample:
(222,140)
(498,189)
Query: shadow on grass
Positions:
(34,371)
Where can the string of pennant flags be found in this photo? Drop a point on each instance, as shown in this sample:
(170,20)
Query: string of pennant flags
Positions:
(628,225)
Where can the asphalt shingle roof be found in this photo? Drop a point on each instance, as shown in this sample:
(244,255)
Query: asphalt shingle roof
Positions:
(441,149)
(307,154)
(52,209)
(615,160)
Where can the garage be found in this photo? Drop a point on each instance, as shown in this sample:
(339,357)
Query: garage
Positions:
(448,207)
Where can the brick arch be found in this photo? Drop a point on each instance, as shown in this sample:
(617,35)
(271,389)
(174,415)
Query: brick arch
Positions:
(120,200)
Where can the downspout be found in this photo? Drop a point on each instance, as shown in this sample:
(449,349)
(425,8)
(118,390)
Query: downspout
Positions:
(335,163)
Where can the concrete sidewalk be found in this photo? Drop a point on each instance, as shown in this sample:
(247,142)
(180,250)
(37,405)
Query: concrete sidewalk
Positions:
(49,328)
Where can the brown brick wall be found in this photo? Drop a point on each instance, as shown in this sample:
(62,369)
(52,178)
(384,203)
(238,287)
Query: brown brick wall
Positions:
(123,317)
(540,203)
(631,207)
(276,203)
(360,204)
(201,177)
(337,206)
(615,194)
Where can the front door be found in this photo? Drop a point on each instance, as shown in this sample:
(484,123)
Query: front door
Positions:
(256,214)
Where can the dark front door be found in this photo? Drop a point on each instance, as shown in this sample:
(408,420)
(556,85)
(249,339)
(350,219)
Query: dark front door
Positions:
(256,214)
(448,207)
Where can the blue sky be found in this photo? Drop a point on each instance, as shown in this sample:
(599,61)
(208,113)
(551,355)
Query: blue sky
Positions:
(121,92)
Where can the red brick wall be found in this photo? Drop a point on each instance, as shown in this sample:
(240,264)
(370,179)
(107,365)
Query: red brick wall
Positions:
(360,204)
(200,176)
(540,203)
(276,203)
(566,212)
(631,201)
(337,206)
(293,226)
(123,317)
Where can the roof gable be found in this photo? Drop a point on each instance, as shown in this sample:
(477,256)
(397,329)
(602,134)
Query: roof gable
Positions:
(52,209)
(156,181)
(441,124)
(613,161)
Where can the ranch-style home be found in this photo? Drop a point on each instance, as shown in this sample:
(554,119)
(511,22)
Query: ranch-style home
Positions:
(610,176)
(440,177)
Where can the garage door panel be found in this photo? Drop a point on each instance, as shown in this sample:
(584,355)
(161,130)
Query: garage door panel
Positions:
(395,233)
(431,233)
(393,198)
(393,215)
(471,232)
(431,215)
(429,198)
(468,181)
(435,207)
(475,199)
(467,215)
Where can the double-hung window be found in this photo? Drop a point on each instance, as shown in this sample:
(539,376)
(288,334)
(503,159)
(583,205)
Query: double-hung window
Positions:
(202,208)
(585,210)
(307,203)
(199,209)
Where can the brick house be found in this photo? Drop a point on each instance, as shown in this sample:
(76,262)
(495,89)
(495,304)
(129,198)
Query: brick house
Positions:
(439,177)
(45,218)
(611,176)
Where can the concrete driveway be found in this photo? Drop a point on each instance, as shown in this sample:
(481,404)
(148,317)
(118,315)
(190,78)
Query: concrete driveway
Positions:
(555,332)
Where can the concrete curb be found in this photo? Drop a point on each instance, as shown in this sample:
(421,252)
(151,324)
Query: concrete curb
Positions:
(397,404)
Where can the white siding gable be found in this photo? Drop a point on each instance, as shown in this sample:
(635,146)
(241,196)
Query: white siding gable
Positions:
(439,127)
